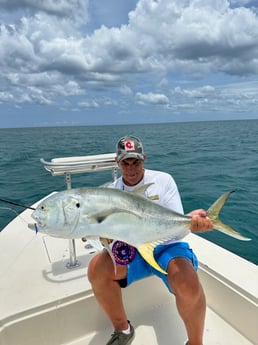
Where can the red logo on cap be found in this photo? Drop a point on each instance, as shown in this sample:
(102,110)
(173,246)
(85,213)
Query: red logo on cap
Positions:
(129,145)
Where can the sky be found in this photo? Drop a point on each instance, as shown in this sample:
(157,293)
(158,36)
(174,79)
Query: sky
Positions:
(95,62)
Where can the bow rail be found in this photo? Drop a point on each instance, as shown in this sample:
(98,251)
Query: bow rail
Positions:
(80,164)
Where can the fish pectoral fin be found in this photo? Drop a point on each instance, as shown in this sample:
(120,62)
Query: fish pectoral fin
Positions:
(147,252)
(97,218)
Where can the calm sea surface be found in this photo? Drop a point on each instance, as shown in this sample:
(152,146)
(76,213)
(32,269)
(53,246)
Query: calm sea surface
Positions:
(205,158)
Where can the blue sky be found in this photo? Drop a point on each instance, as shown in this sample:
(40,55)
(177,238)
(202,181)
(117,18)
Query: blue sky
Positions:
(86,62)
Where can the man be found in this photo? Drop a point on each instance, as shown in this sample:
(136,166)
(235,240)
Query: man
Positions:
(175,257)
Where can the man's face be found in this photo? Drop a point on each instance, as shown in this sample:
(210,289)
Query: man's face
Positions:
(132,170)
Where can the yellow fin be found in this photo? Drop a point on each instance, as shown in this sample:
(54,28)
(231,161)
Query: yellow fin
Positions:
(146,250)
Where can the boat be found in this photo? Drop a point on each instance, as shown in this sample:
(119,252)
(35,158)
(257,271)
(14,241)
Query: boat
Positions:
(46,298)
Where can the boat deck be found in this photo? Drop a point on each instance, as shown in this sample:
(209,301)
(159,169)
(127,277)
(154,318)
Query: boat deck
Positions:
(158,329)
(43,302)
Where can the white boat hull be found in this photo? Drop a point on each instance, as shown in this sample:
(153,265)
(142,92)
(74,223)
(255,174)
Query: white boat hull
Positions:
(42,302)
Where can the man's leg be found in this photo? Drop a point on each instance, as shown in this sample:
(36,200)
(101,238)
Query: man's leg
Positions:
(107,291)
(190,298)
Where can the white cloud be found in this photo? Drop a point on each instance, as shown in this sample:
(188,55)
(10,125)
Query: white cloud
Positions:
(88,104)
(62,8)
(233,97)
(152,98)
(6,97)
(200,92)
(126,90)
(46,51)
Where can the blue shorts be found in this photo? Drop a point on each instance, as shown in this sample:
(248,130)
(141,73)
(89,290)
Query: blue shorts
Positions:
(139,268)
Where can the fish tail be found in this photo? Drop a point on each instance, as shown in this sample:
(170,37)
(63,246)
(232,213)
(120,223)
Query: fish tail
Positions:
(213,213)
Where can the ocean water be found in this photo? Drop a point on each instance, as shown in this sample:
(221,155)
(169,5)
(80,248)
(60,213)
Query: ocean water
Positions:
(205,158)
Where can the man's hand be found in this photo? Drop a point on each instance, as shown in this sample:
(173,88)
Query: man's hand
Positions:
(200,221)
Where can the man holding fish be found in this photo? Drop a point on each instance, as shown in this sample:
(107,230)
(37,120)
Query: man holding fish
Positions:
(178,262)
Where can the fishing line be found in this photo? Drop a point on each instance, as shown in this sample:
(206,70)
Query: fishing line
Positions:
(16,213)
(17,204)
(14,261)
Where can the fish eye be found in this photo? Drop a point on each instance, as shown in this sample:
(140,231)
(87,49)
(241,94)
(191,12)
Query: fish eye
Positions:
(78,205)
(42,208)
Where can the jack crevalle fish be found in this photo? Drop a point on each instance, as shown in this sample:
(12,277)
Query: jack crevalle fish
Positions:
(119,215)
